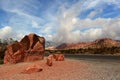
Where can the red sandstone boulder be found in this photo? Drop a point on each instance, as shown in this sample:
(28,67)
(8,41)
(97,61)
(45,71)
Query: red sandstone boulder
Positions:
(59,57)
(49,60)
(30,48)
(32,69)
(34,47)
(14,53)
(33,42)
(56,56)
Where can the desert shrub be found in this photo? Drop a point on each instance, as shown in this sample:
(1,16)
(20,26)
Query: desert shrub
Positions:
(1,61)
(2,50)
(3,46)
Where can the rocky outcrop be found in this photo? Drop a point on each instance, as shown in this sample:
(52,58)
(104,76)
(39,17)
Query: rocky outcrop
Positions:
(32,69)
(34,47)
(30,48)
(15,53)
(105,42)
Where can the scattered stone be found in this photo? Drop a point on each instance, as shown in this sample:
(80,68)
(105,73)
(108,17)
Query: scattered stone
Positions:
(56,56)
(32,69)
(49,60)
(59,57)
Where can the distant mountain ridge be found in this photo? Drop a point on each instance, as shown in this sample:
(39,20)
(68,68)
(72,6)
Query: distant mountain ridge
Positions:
(105,42)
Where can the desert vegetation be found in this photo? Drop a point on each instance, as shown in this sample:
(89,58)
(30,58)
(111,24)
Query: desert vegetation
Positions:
(103,50)
(3,46)
(100,46)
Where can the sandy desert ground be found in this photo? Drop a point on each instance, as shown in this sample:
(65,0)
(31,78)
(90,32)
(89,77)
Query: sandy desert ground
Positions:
(69,69)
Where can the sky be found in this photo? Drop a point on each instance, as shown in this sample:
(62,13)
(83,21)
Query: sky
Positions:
(61,21)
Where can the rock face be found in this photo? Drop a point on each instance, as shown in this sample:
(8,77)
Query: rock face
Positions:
(32,69)
(30,48)
(33,46)
(14,53)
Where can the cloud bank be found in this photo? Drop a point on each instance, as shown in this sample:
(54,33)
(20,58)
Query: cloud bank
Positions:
(62,21)
(73,29)
(6,32)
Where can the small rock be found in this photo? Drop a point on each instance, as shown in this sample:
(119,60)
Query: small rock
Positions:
(59,57)
(32,69)
(49,60)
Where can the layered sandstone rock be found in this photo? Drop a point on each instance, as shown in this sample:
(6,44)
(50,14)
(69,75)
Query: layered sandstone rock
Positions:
(34,47)
(14,53)
(30,48)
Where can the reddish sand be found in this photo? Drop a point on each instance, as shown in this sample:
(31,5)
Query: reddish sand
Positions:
(61,70)
(64,70)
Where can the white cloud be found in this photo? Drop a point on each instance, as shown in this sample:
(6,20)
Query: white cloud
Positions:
(72,29)
(94,29)
(67,25)
(6,32)
(89,4)
(91,34)
(19,36)
(35,24)
(29,7)
(23,19)
(94,13)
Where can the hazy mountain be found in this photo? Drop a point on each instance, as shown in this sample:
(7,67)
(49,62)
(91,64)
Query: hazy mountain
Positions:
(50,43)
(105,42)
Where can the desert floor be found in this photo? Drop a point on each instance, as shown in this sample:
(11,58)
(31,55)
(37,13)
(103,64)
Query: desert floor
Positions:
(70,69)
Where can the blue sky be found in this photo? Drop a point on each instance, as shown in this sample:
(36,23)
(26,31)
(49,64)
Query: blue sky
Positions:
(60,20)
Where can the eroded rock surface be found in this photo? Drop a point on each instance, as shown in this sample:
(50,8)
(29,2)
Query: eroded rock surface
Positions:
(30,48)
(15,53)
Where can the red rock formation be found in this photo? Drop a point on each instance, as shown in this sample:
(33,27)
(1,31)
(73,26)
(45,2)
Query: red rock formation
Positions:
(49,60)
(32,69)
(59,57)
(30,48)
(14,53)
(56,56)
(105,42)
(34,47)
(73,45)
